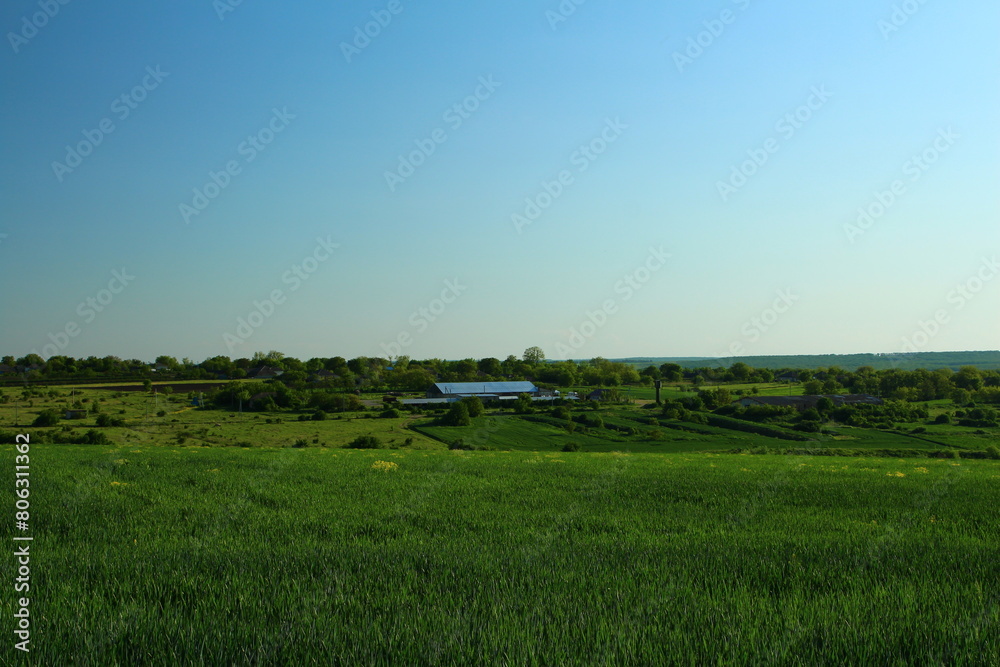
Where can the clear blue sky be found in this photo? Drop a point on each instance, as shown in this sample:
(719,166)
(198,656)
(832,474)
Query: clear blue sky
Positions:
(674,126)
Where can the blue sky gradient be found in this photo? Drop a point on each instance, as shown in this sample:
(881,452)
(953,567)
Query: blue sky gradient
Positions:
(773,266)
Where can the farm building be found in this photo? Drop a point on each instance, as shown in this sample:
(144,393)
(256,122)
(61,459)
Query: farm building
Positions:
(809,401)
(484,390)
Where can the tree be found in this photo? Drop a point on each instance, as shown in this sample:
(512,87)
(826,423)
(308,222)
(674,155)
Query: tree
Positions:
(672,372)
(293,378)
(831,386)
(466,370)
(46,418)
(474,406)
(824,406)
(968,377)
(31,360)
(534,355)
(490,366)
(169,362)
(741,372)
(522,405)
(457,415)
(961,397)
(716,398)
(813,387)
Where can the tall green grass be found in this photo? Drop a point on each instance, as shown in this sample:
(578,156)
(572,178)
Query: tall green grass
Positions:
(310,556)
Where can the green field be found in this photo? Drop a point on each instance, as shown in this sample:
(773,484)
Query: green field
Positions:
(191,555)
(181,423)
(202,536)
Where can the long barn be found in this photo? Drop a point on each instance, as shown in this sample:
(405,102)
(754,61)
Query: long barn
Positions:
(481,389)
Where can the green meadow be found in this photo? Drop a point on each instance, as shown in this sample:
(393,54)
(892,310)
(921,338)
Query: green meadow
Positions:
(605,534)
(209,555)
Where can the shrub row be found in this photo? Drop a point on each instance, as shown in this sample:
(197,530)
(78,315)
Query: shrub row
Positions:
(750,427)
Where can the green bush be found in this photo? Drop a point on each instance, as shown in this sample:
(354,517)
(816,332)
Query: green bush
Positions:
(391,413)
(461,444)
(46,418)
(571,447)
(365,442)
(105,420)
(808,426)
(318,416)
(93,437)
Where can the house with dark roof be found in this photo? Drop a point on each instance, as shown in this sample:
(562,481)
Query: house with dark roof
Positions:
(264,373)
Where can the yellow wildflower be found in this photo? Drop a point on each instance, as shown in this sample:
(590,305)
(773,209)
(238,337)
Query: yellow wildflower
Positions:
(895,474)
(385,466)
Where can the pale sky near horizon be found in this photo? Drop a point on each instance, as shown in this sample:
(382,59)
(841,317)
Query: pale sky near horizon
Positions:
(469,180)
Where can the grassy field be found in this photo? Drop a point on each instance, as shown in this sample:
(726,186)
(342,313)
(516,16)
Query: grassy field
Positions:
(181,423)
(191,555)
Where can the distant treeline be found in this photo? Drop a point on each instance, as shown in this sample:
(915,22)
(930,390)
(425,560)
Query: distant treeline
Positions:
(372,374)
